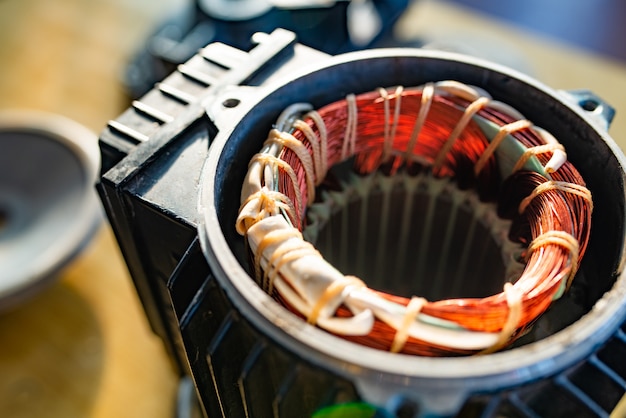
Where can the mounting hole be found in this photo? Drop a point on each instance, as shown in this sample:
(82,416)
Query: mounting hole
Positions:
(407,409)
(230,103)
(4,219)
(590,105)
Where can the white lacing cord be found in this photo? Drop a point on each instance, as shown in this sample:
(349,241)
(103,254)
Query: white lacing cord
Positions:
(504,130)
(287,140)
(402,333)
(349,139)
(389,131)
(323,141)
(561,186)
(562,239)
(428,94)
(262,204)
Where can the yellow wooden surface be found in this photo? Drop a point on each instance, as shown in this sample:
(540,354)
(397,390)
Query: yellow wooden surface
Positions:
(83,348)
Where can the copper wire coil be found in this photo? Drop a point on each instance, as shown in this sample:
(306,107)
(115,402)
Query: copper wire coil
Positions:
(549,267)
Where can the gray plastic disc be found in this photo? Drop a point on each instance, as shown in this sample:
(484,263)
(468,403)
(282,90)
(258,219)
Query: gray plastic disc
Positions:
(48,204)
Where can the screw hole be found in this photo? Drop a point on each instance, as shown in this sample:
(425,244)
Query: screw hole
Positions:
(4,219)
(590,105)
(408,409)
(230,103)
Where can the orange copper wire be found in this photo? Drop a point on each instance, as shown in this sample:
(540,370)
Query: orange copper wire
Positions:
(552,210)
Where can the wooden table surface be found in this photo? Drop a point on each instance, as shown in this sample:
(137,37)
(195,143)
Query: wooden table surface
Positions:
(82,347)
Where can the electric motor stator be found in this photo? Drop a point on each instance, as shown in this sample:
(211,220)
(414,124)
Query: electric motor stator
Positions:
(174,165)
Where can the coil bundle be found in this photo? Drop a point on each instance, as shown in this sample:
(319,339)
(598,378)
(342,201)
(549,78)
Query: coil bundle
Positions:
(443,137)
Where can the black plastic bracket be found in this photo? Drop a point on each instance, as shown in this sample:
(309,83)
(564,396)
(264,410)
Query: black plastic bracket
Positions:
(152,156)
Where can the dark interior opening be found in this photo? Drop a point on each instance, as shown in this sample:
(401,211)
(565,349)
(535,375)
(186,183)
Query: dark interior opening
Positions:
(412,235)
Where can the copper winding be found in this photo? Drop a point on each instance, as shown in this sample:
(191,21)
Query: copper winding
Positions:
(432,128)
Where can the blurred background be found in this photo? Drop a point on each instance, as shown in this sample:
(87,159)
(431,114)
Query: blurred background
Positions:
(82,347)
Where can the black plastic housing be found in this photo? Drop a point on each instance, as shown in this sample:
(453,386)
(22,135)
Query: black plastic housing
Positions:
(155,161)
(152,156)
